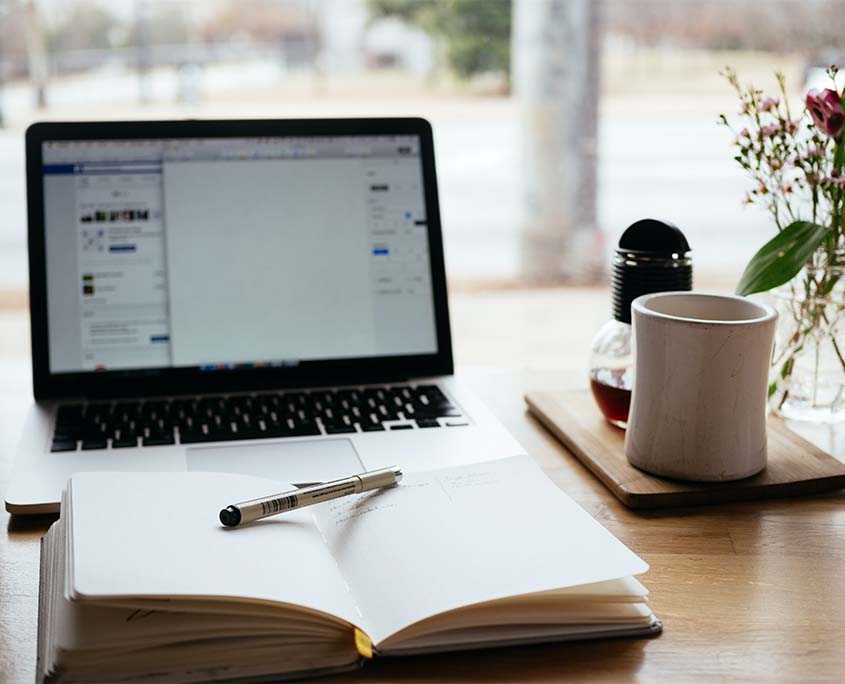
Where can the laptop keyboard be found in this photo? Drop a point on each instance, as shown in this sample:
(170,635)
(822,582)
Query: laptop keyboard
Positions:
(122,424)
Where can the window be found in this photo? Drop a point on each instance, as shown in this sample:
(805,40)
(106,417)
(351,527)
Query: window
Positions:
(557,123)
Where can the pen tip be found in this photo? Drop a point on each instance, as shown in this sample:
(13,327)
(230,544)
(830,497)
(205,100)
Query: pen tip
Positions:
(230,516)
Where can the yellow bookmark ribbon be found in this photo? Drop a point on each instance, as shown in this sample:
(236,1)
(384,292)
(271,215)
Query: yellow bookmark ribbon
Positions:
(363,644)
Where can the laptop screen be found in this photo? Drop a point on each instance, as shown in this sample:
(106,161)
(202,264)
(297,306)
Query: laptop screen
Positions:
(224,253)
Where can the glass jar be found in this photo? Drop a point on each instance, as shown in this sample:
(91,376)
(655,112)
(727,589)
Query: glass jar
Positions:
(807,380)
(611,371)
(652,256)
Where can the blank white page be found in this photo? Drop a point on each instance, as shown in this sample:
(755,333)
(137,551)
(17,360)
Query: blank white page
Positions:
(158,535)
(455,537)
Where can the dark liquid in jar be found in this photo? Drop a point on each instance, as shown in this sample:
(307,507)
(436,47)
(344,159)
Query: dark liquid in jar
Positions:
(612,390)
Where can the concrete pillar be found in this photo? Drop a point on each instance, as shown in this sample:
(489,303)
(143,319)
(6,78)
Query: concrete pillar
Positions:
(555,66)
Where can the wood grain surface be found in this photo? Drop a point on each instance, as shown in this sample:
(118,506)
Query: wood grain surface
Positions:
(748,592)
(795,467)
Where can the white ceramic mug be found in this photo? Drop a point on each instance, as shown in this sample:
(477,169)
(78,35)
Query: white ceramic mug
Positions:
(701,366)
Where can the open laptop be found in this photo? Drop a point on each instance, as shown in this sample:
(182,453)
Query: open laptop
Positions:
(260,297)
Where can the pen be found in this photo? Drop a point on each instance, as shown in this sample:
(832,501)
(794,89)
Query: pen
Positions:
(255,509)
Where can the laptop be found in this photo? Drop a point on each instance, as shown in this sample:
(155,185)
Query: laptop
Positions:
(261,297)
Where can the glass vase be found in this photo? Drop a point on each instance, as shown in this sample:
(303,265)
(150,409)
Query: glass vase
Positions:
(807,380)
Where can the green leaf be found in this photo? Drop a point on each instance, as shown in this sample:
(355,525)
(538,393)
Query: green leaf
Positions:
(781,258)
(830,284)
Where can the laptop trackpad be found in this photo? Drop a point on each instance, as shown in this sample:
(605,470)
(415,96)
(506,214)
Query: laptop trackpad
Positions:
(298,462)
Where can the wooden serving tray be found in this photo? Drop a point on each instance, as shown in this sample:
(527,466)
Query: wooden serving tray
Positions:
(795,466)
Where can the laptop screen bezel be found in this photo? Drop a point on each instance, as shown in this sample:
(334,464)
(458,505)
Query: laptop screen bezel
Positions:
(169,381)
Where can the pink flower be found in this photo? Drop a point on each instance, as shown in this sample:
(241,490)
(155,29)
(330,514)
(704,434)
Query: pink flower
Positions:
(768,103)
(770,130)
(826,109)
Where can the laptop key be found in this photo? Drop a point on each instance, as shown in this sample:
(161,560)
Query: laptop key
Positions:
(385,414)
(372,427)
(63,445)
(69,411)
(305,430)
(96,443)
(158,440)
(222,436)
(274,432)
(403,426)
(427,423)
(124,443)
(339,429)
(194,437)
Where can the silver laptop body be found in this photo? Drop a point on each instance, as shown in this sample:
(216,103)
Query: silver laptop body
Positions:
(259,297)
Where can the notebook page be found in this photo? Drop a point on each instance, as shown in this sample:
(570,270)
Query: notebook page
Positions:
(158,535)
(459,536)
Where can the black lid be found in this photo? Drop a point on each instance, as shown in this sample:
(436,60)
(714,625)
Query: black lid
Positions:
(653,256)
(653,237)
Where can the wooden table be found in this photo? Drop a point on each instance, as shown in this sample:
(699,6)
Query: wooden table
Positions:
(747,592)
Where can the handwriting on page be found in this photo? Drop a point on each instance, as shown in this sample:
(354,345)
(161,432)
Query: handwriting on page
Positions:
(468,480)
(344,510)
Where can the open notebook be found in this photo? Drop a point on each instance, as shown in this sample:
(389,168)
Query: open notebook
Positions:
(140,583)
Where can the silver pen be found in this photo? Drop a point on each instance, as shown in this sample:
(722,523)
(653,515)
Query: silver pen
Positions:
(256,509)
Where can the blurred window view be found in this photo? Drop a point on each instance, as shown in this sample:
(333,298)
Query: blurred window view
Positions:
(557,122)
